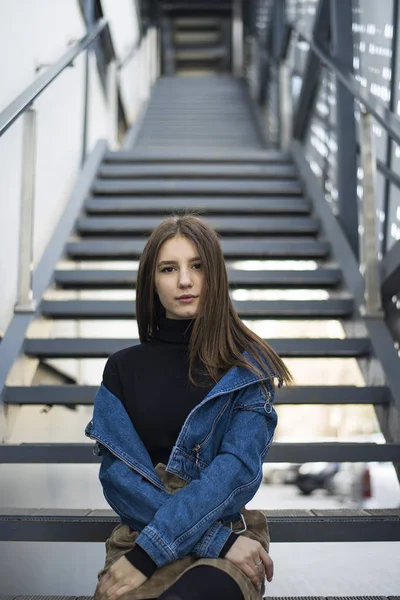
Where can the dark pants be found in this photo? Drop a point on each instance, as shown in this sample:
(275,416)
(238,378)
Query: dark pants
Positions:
(203,582)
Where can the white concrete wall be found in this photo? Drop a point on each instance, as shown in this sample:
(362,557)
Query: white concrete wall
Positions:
(31,33)
(39,32)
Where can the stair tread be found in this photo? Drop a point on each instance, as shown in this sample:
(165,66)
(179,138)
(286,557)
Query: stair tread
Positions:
(210,205)
(198,156)
(283,247)
(82,453)
(196,186)
(84,394)
(92,309)
(285,526)
(228,225)
(286,347)
(265,171)
(103,278)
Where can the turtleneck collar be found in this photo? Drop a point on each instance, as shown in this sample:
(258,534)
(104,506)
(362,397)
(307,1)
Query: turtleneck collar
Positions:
(175,331)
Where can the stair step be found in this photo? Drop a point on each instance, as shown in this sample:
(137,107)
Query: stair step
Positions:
(211,205)
(187,38)
(187,23)
(224,225)
(248,309)
(211,171)
(201,53)
(87,525)
(286,347)
(121,279)
(117,249)
(176,158)
(84,395)
(279,452)
(181,9)
(196,186)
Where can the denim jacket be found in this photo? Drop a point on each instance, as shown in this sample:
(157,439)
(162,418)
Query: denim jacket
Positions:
(219,452)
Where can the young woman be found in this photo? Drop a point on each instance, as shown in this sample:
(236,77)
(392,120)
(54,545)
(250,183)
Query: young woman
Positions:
(183,422)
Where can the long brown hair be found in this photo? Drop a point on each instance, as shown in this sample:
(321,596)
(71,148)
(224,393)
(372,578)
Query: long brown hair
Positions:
(219,336)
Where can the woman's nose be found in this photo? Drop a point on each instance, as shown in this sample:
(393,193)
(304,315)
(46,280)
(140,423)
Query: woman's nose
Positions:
(184,278)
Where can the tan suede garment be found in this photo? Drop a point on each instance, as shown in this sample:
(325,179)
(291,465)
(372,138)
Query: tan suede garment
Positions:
(122,539)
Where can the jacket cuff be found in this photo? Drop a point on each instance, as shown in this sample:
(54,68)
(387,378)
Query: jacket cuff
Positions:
(213,541)
(228,544)
(141,561)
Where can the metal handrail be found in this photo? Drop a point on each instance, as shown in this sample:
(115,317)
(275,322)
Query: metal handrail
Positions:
(18,106)
(387,120)
(130,54)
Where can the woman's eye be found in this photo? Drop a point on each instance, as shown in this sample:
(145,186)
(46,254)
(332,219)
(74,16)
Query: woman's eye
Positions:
(165,269)
(197,265)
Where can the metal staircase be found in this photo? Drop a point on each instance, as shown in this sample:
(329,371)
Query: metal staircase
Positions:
(201,147)
(254,198)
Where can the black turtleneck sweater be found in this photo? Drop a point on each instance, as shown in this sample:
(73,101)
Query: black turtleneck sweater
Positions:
(152,382)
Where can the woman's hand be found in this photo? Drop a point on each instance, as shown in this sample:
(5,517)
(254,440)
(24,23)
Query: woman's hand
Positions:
(122,577)
(245,553)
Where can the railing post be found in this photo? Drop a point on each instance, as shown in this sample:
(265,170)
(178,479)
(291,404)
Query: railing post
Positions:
(237,38)
(342,49)
(85,108)
(368,239)
(25,302)
(285,106)
(112,97)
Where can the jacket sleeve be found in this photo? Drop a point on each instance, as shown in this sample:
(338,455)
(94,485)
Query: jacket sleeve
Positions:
(227,484)
(133,497)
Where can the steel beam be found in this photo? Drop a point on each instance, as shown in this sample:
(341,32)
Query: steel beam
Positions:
(390,272)
(346,160)
(308,92)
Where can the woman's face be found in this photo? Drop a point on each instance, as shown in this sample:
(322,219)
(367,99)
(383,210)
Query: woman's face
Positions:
(179,273)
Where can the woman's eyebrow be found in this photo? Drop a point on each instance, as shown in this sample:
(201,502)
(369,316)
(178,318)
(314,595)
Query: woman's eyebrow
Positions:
(174,262)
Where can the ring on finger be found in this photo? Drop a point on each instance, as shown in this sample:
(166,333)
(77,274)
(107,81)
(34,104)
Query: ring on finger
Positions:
(259,563)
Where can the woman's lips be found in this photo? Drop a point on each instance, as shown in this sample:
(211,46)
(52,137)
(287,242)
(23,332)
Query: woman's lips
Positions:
(187,300)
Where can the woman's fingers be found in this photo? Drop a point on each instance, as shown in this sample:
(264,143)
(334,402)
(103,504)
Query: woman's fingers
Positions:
(252,573)
(101,586)
(268,564)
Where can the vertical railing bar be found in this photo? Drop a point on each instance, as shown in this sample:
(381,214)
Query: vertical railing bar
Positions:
(89,14)
(394,73)
(237,38)
(85,108)
(112,97)
(368,239)
(25,301)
